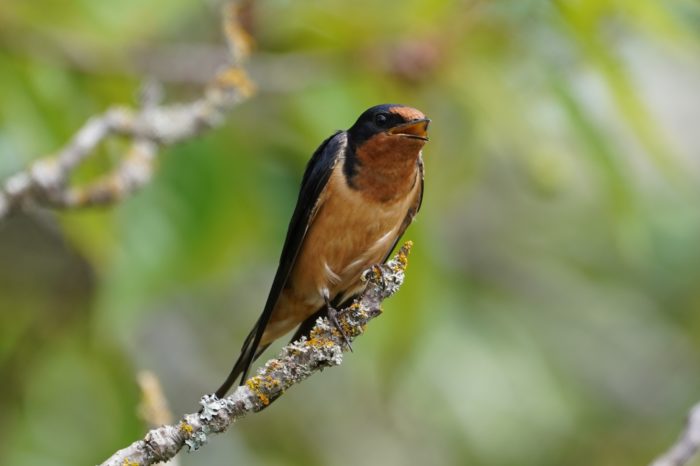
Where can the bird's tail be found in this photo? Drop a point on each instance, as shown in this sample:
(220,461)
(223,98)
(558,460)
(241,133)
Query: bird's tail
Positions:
(249,353)
(243,363)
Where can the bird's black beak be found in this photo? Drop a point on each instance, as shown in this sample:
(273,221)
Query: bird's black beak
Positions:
(417,129)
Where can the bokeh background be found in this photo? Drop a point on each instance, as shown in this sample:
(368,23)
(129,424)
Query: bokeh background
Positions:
(551,314)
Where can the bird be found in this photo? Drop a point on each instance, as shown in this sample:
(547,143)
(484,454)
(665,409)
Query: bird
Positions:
(360,190)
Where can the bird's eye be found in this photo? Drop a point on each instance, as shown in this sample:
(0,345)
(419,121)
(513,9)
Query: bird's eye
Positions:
(381,119)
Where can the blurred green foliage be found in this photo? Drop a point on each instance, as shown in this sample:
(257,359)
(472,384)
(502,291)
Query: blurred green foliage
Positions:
(551,312)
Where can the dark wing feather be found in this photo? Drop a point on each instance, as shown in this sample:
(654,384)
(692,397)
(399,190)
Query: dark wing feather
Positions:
(316,176)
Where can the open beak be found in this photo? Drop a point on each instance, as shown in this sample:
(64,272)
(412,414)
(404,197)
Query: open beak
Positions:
(417,129)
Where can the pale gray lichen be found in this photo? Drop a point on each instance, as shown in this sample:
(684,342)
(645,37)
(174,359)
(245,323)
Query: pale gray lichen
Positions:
(210,407)
(198,439)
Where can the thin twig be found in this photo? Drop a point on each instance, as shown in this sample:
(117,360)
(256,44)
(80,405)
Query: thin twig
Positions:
(687,445)
(295,362)
(154,406)
(150,127)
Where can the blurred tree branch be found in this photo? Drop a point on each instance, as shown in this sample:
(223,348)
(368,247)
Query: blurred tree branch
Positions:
(686,447)
(149,127)
(295,362)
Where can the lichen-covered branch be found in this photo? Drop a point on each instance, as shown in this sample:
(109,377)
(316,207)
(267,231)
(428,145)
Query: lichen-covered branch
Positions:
(296,362)
(148,128)
(687,445)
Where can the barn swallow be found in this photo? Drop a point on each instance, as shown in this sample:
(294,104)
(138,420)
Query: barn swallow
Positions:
(360,191)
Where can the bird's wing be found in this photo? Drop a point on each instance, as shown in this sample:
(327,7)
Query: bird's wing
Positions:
(313,183)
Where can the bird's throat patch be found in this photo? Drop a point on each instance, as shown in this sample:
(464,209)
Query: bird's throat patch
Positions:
(386,166)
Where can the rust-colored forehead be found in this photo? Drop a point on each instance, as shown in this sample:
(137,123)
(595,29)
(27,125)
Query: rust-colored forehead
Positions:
(407,113)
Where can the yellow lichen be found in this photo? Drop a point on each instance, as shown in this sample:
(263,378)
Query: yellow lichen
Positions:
(314,342)
(235,78)
(348,329)
(271,382)
(258,384)
(185,428)
(322,342)
(316,333)
(402,257)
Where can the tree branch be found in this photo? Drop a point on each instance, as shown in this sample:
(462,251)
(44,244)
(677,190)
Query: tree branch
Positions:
(296,361)
(687,444)
(150,127)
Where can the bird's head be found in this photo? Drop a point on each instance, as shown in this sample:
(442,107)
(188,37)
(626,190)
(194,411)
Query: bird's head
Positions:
(391,125)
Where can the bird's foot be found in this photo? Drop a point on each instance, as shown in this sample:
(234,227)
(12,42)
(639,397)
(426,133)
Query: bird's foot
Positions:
(333,317)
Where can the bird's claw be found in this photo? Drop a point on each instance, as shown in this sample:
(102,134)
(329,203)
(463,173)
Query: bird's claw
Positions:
(333,317)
